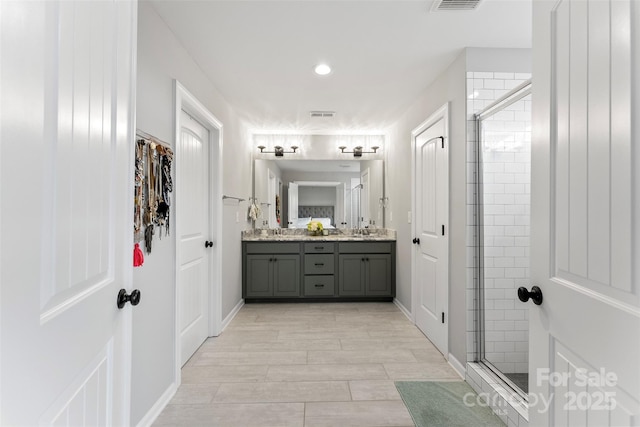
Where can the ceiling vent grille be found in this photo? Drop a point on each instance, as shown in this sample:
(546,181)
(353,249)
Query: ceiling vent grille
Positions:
(323,114)
(455,5)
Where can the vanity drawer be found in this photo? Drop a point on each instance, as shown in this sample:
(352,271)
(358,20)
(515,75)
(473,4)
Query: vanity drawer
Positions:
(319,286)
(273,248)
(319,248)
(364,248)
(319,264)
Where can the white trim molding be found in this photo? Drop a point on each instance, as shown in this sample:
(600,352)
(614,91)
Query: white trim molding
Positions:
(403,309)
(184,100)
(157,407)
(441,113)
(231,315)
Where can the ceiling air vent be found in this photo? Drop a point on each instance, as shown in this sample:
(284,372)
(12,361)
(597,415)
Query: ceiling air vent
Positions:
(455,5)
(322,114)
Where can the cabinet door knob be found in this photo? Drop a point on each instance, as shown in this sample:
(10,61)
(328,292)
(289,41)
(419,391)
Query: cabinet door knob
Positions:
(208,244)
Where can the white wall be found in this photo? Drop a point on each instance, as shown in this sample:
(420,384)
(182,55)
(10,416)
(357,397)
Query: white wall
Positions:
(449,87)
(161,58)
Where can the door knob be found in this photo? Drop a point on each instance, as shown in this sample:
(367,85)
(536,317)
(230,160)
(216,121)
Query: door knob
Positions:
(416,241)
(535,294)
(123,298)
(208,244)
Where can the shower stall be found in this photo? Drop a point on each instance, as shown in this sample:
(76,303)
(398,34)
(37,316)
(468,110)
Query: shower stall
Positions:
(503,180)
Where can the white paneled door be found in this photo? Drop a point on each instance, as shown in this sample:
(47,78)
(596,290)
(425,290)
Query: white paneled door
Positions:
(293,205)
(194,282)
(584,365)
(431,242)
(340,213)
(67,211)
(365,191)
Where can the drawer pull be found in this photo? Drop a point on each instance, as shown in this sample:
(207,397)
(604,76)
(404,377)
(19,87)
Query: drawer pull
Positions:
(319,285)
(319,247)
(319,264)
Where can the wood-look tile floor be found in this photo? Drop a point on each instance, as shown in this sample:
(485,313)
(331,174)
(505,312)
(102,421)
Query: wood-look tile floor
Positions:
(306,364)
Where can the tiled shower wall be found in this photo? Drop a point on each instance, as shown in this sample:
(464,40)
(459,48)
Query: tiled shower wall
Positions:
(506,180)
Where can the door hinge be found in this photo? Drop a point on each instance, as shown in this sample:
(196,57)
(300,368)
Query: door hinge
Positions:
(443,317)
(443,229)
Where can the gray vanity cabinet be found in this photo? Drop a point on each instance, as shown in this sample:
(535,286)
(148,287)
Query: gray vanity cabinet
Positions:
(272,270)
(365,274)
(366,269)
(321,270)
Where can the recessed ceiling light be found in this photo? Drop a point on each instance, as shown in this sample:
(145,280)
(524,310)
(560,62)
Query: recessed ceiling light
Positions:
(322,69)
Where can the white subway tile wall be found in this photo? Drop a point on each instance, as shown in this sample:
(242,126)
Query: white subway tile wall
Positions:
(506,162)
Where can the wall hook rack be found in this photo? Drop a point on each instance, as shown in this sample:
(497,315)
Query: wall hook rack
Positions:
(225,197)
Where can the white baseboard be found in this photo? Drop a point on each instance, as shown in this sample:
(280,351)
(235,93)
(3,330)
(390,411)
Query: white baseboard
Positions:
(231,315)
(157,408)
(403,309)
(457,366)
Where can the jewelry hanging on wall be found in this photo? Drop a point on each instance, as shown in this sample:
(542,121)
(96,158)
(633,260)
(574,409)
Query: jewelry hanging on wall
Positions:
(153,188)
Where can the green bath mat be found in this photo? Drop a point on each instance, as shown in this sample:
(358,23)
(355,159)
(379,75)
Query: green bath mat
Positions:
(442,404)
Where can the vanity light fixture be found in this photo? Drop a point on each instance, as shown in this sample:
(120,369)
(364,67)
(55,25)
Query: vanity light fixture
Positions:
(278,150)
(357,151)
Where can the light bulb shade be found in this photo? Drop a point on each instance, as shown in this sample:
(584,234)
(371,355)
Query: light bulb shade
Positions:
(278,150)
(358,151)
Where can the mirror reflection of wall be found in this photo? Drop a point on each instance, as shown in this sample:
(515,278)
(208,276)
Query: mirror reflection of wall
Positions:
(268,192)
(319,183)
(319,174)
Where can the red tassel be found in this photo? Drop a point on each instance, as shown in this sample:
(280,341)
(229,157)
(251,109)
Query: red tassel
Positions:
(138,257)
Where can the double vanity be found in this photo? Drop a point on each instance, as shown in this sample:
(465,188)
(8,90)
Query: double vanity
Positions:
(337,267)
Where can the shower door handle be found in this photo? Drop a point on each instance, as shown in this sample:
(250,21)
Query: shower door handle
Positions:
(535,294)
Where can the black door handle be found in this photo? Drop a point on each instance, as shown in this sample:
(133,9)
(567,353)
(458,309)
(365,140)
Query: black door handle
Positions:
(123,298)
(208,244)
(535,294)
(416,241)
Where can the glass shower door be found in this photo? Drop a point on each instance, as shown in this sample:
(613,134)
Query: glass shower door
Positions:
(503,212)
